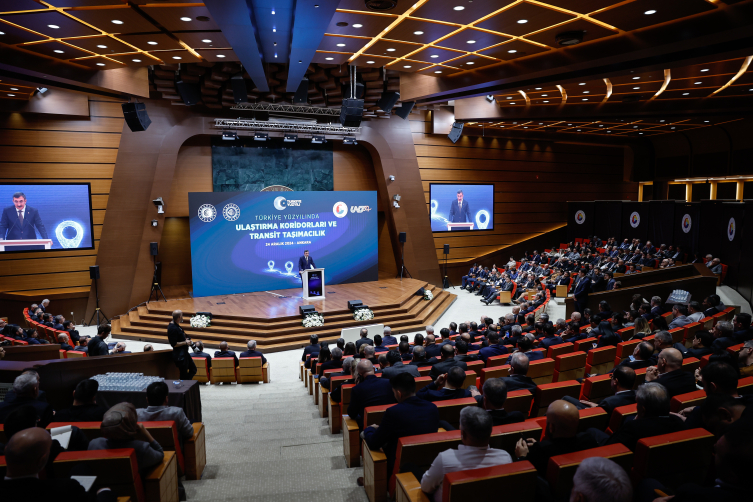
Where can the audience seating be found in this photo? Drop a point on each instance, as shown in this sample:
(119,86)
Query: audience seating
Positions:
(223,370)
(202,369)
(674,459)
(569,366)
(626,333)
(601,360)
(557,350)
(624,350)
(547,393)
(596,388)
(492,372)
(682,401)
(690,331)
(519,400)
(541,371)
(561,468)
(619,415)
(250,369)
(585,344)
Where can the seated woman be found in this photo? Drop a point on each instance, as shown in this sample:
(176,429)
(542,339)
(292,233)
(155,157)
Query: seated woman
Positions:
(120,429)
(641,328)
(350,349)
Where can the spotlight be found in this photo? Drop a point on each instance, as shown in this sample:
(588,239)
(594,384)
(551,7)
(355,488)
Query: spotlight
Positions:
(318,140)
(154,223)
(160,205)
(380,4)
(261,136)
(290,138)
(568,38)
(489,98)
(392,177)
(229,135)
(396,197)
(350,140)
(42,90)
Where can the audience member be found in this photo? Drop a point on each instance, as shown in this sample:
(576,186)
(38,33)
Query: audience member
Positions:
(148,347)
(252,352)
(493,400)
(517,379)
(419,358)
(741,325)
(702,342)
(680,313)
(224,352)
(120,348)
(369,390)
(157,394)
(495,348)
(26,391)
(364,338)
(525,346)
(447,386)
(447,362)
(72,331)
(97,345)
(621,383)
(83,344)
(198,351)
(63,341)
(599,479)
(695,312)
(387,338)
(312,349)
(669,373)
(396,366)
(85,407)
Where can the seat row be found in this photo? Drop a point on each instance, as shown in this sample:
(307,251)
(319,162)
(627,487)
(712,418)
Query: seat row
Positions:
(224,370)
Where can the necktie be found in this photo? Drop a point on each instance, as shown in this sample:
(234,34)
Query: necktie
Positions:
(21,217)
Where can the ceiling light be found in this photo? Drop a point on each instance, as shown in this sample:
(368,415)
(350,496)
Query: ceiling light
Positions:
(185,19)
(512,103)
(649,12)
(636,88)
(318,140)
(636,78)
(459,7)
(274,30)
(544,95)
(116,21)
(261,136)
(470,62)
(53,26)
(601,125)
(358,25)
(586,92)
(582,83)
(329,59)
(390,50)
(512,51)
(290,138)
(696,83)
(369,62)
(11,94)
(705,69)
(522,21)
(585,99)
(685,93)
(220,55)
(418,32)
(407,66)
(136,60)
(176,57)
(706,121)
(508,97)
(102,46)
(438,71)
(58,51)
(341,45)
(2,33)
(640,133)
(100,64)
(578,130)
(14,88)
(538,88)
(609,131)
(471,42)
(661,120)
(569,124)
(206,41)
(570,38)
(525,127)
(546,101)
(155,43)
(671,127)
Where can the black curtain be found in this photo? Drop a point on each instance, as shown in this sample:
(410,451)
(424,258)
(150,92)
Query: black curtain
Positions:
(608,218)
(745,267)
(636,218)
(580,220)
(731,225)
(662,216)
(713,234)
(687,225)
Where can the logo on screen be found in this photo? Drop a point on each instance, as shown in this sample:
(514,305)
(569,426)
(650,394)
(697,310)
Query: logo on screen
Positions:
(635,220)
(580,217)
(72,242)
(281,203)
(358,209)
(686,223)
(207,213)
(340,209)
(731,229)
(231,212)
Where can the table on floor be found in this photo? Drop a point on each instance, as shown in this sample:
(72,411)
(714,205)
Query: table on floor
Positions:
(186,396)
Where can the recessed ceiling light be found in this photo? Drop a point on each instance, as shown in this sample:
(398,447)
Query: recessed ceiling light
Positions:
(136,60)
(546,101)
(274,30)
(705,69)
(582,83)
(586,92)
(116,21)
(434,56)
(538,88)
(220,55)
(11,94)
(512,103)
(185,19)
(685,93)
(512,51)
(58,51)
(471,42)
(206,41)
(569,124)
(541,123)
(672,127)
(2,33)
(585,99)
(636,88)
(459,7)
(578,130)
(341,45)
(418,32)
(438,71)
(544,95)
(661,120)
(508,97)
(696,83)
(522,21)
(176,57)
(601,125)
(407,66)
(53,26)
(358,25)
(609,131)
(100,64)
(706,121)
(369,62)
(329,59)
(525,127)
(635,127)
(636,78)
(14,88)
(390,50)
(102,46)
(649,12)
(640,133)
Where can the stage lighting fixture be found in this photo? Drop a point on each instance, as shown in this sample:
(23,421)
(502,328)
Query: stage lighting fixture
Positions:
(41,90)
(381,4)
(318,140)
(290,138)
(392,177)
(350,140)
(154,223)
(307,309)
(489,98)
(160,205)
(229,135)
(569,38)
(261,136)
(397,197)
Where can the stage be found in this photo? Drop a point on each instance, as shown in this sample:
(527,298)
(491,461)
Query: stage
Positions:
(272,318)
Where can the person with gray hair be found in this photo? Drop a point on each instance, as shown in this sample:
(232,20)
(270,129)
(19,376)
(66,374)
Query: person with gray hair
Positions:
(364,339)
(429,330)
(63,341)
(745,359)
(723,333)
(120,348)
(387,338)
(518,370)
(420,359)
(473,452)
(252,352)
(599,479)
(368,353)
(26,393)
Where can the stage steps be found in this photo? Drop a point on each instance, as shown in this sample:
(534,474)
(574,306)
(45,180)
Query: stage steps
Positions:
(412,314)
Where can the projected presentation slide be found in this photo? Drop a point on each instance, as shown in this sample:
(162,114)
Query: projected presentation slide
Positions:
(461,207)
(254,241)
(45,216)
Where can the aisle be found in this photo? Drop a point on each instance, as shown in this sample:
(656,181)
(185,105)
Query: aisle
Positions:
(267,442)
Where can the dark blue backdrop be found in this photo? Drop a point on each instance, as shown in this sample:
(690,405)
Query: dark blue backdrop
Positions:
(480,200)
(226,259)
(57,203)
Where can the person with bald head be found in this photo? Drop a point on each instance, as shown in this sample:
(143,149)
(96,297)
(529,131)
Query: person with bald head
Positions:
(669,373)
(224,352)
(561,437)
(370,390)
(180,343)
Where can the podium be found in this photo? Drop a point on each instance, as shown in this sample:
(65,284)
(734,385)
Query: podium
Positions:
(313,283)
(459,226)
(25,244)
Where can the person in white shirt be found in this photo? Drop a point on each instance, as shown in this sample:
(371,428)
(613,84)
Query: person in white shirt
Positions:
(473,453)
(696,312)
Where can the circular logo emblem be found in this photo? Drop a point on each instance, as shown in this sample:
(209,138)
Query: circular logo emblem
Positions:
(731,229)
(231,212)
(207,213)
(340,209)
(580,217)
(280,203)
(635,219)
(687,223)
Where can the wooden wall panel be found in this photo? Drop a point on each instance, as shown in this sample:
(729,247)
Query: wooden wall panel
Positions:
(59,149)
(193,173)
(175,252)
(533,180)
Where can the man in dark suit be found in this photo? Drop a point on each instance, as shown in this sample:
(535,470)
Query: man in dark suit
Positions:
(459,210)
(369,391)
(641,356)
(432,349)
(711,304)
(550,339)
(313,349)
(518,371)
(623,379)
(252,352)
(63,341)
(525,345)
(198,351)
(419,358)
(461,352)
(493,400)
(20,221)
(723,333)
(580,290)
(410,417)
(447,362)
(494,349)
(26,390)
(305,262)
(387,338)
(396,366)
(449,386)
(364,339)
(702,343)
(669,373)
(224,352)
(85,407)
(741,325)
(471,274)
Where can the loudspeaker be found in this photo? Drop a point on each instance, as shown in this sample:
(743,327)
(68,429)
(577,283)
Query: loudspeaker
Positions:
(402,237)
(351,112)
(94,272)
(388,100)
(405,109)
(240,95)
(306,309)
(135,116)
(302,94)
(446,249)
(457,130)
(189,93)
(158,272)
(346,90)
(153,249)
(354,304)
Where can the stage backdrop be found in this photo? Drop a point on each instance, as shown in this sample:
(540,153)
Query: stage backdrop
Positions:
(580,220)
(245,241)
(635,221)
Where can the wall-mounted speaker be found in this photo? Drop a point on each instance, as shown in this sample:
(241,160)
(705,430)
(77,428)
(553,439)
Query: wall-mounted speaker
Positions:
(402,237)
(240,95)
(135,116)
(388,100)
(346,90)
(457,130)
(351,112)
(189,93)
(94,272)
(404,110)
(153,249)
(446,249)
(302,94)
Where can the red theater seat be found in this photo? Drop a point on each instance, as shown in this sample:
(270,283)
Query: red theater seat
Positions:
(674,459)
(561,468)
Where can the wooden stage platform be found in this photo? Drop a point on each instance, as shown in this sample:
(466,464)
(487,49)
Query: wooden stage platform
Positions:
(273,319)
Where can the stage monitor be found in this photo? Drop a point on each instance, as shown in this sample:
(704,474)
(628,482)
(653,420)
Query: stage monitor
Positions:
(253,241)
(456,208)
(55,216)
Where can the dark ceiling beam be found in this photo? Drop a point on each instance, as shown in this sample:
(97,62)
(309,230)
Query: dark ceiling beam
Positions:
(309,25)
(723,33)
(235,20)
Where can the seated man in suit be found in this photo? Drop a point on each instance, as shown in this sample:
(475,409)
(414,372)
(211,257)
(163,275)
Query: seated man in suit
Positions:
(404,349)
(550,338)
(410,417)
(724,336)
(419,358)
(379,344)
(461,352)
(669,373)
(495,348)
(396,366)
(702,342)
(159,411)
(592,477)
(369,390)
(224,352)
(369,354)
(198,351)
(310,350)
(120,348)
(623,379)
(525,345)
(641,357)
(517,379)
(493,400)
(663,340)
(561,437)
(83,344)
(447,362)
(26,390)
(432,349)
(85,407)
(473,452)
(444,387)
(72,331)
(711,305)
(63,341)
(717,378)
(387,338)
(364,338)
(57,323)
(741,325)
(680,313)
(252,352)
(696,312)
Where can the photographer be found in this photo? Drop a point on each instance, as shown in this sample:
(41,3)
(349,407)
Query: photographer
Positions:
(180,343)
